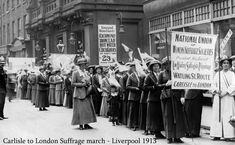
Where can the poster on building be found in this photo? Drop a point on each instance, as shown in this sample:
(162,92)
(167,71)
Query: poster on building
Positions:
(192,64)
(61,61)
(107,44)
(18,63)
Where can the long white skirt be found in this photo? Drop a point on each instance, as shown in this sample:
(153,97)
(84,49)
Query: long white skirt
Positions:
(223,128)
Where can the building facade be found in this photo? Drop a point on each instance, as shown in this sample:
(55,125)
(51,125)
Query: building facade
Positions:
(204,16)
(75,24)
(14,40)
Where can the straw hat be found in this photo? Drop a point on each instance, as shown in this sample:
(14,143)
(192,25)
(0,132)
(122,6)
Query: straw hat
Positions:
(154,62)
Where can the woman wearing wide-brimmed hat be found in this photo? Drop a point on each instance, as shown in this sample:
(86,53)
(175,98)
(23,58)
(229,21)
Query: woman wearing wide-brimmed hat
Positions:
(83,108)
(173,117)
(223,104)
(154,112)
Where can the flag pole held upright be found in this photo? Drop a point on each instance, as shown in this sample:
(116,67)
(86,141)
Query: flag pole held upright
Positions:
(218,30)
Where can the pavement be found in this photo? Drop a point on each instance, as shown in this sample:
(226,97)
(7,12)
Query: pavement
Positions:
(28,126)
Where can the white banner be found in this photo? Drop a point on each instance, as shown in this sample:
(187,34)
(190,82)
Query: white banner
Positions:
(192,65)
(107,43)
(17,63)
(61,61)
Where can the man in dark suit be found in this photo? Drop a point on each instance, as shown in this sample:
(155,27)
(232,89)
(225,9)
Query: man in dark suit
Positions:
(3,90)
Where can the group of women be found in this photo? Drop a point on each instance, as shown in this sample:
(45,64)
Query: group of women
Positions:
(144,102)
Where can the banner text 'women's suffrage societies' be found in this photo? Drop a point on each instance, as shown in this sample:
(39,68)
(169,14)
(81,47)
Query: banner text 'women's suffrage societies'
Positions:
(192,65)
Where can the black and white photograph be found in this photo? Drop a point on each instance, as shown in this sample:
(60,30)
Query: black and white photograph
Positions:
(117,72)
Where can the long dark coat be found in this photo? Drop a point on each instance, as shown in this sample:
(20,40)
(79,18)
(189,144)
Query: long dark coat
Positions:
(97,98)
(154,110)
(133,100)
(173,116)
(42,91)
(124,98)
(193,110)
(143,105)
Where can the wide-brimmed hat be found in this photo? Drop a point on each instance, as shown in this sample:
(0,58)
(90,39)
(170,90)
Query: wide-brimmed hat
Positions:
(80,61)
(223,58)
(154,62)
(91,66)
(98,66)
(232,57)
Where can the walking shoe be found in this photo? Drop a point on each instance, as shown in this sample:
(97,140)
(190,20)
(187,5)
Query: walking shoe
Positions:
(169,140)
(86,126)
(80,127)
(216,138)
(159,136)
(178,140)
(44,109)
(146,132)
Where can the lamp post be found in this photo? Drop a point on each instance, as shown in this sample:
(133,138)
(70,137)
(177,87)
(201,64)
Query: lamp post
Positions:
(121,28)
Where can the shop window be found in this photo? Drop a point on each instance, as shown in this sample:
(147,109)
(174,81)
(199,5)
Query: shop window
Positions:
(189,16)
(177,19)
(202,13)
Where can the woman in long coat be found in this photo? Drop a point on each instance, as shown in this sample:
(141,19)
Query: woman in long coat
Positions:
(124,98)
(132,85)
(220,127)
(52,88)
(96,82)
(29,88)
(42,100)
(105,86)
(154,111)
(34,87)
(58,88)
(173,116)
(83,108)
(68,91)
(24,84)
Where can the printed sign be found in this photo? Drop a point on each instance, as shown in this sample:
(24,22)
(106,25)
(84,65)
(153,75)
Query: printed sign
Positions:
(192,65)
(107,44)
(18,63)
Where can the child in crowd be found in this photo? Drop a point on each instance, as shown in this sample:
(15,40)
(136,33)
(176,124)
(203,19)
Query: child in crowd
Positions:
(113,101)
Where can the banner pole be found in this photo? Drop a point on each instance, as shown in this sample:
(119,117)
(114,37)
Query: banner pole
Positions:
(218,30)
